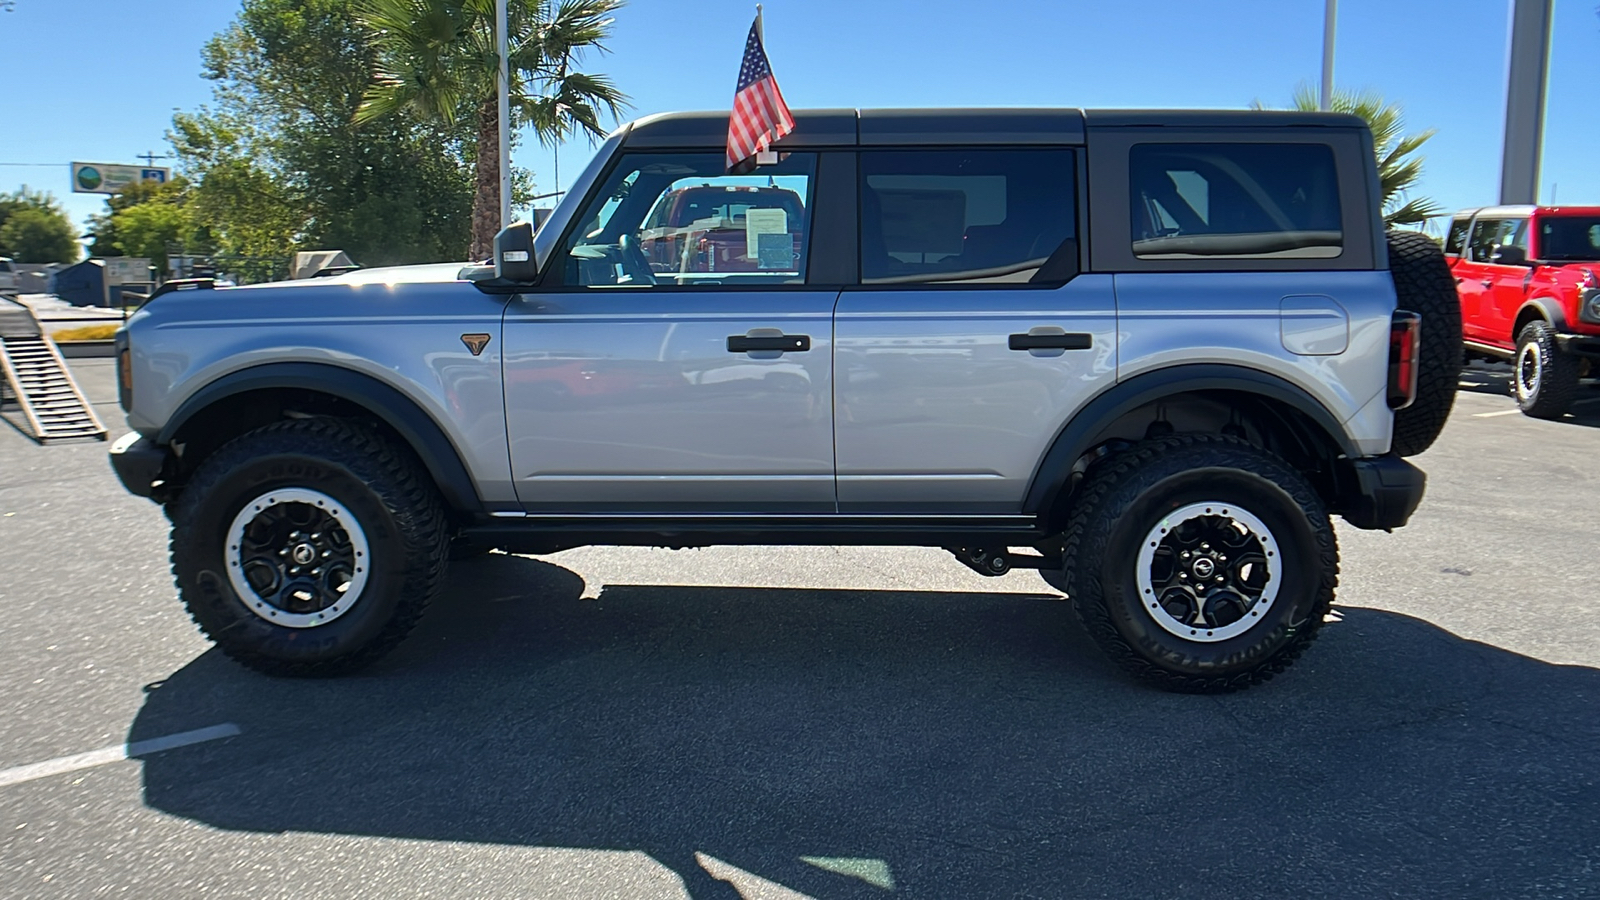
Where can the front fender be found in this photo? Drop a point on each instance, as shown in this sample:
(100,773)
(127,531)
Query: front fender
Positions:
(419,430)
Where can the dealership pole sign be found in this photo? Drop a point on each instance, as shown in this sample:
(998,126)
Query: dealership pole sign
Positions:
(107,178)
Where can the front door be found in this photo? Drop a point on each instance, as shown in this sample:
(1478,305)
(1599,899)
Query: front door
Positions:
(966,346)
(674,359)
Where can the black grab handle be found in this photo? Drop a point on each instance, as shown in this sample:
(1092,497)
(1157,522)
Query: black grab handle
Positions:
(744,343)
(1052,341)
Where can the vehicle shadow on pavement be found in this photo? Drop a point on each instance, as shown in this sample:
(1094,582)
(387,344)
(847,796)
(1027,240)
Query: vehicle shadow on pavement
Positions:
(975,744)
(1494,379)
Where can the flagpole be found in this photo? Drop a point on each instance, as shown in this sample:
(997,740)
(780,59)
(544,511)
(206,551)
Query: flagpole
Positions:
(1330,18)
(505,113)
(761,31)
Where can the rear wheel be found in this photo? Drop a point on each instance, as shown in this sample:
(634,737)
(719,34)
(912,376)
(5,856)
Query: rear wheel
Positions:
(1544,379)
(308,547)
(1200,563)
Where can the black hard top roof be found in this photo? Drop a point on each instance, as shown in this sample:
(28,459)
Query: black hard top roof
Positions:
(900,127)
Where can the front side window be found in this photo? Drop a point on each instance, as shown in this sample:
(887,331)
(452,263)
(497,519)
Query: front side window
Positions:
(1235,201)
(964,216)
(676,219)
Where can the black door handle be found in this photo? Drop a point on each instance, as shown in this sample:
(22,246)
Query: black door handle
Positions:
(1051,341)
(744,343)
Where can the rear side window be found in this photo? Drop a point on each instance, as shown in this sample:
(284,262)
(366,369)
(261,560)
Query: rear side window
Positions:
(1235,201)
(964,216)
(1455,243)
(5,265)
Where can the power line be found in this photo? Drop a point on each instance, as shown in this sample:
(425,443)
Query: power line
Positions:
(34,165)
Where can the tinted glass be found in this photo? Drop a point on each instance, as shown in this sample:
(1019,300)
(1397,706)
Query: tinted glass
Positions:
(1235,201)
(1569,238)
(1489,234)
(1456,241)
(963,216)
(676,219)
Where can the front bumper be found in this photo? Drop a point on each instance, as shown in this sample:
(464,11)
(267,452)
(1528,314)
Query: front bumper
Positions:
(1382,492)
(140,463)
(1584,345)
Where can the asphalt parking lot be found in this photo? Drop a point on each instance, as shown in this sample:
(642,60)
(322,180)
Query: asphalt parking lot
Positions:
(822,722)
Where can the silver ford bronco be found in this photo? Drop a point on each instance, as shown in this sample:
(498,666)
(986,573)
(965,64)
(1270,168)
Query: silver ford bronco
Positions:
(1148,353)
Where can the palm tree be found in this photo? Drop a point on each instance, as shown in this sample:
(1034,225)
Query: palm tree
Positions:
(437,59)
(1399,169)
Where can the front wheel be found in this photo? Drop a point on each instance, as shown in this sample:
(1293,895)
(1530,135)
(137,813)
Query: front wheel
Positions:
(1200,563)
(308,546)
(1544,378)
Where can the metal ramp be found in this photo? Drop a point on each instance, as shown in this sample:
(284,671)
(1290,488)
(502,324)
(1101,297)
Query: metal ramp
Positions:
(38,379)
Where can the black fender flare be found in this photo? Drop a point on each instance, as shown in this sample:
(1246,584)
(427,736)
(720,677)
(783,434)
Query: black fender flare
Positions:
(414,425)
(1549,309)
(1051,476)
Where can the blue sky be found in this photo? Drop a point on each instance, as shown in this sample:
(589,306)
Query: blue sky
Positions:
(107,92)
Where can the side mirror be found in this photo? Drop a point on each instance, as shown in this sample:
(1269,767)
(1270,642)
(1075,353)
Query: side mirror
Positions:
(1508,255)
(514,256)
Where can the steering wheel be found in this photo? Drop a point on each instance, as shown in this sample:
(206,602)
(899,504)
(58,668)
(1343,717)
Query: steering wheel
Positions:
(634,263)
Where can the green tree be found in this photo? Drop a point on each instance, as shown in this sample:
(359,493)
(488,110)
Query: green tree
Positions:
(279,163)
(437,60)
(1399,164)
(102,231)
(148,229)
(34,229)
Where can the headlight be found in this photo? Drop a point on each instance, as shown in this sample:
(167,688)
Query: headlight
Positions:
(1593,308)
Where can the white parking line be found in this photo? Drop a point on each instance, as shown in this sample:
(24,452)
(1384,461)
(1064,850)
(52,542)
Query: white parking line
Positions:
(60,764)
(1503,412)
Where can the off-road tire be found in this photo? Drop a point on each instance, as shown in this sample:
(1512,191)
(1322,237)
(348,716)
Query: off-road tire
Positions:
(380,484)
(1423,284)
(1130,493)
(1552,391)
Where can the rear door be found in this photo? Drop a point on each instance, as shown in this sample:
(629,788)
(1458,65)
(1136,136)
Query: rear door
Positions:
(670,365)
(968,342)
(1247,247)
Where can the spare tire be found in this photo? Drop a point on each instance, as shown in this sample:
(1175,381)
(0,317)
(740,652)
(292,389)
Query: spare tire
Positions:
(1423,284)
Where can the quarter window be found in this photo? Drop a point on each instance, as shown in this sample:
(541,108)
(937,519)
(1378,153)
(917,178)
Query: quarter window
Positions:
(678,219)
(1235,201)
(965,216)
(1455,243)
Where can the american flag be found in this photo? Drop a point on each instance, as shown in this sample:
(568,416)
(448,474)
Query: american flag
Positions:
(759,114)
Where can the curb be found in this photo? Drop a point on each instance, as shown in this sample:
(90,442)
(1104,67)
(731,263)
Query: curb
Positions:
(87,349)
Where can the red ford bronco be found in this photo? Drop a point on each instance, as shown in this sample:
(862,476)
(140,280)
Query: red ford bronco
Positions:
(1529,280)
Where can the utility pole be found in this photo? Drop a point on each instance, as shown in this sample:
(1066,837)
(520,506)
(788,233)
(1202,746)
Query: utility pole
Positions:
(1527,73)
(1330,16)
(505,114)
(151,157)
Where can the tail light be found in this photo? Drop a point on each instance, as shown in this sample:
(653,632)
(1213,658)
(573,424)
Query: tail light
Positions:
(1405,342)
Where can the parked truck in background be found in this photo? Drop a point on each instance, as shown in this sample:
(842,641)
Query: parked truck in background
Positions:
(1529,282)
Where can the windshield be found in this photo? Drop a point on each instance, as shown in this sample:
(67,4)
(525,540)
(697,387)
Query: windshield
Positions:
(1569,238)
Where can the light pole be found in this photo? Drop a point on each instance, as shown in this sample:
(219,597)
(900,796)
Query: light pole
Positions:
(1330,15)
(505,113)
(1527,75)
